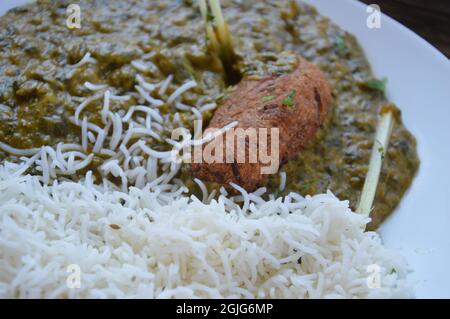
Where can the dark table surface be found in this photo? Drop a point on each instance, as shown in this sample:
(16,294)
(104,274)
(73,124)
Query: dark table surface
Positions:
(429,19)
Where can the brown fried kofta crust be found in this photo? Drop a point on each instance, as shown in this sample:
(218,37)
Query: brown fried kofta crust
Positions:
(266,103)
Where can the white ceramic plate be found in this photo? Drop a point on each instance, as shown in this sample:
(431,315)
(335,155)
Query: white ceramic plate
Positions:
(419,83)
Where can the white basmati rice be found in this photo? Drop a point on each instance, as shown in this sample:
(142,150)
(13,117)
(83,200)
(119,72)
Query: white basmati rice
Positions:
(179,91)
(282,181)
(95,87)
(162,245)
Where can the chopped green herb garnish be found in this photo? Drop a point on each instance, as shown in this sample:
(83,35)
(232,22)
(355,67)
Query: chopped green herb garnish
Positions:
(292,94)
(377,85)
(381,149)
(268,98)
(210,18)
(393,271)
(288,101)
(340,43)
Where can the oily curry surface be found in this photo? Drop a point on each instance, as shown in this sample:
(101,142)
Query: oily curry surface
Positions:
(39,88)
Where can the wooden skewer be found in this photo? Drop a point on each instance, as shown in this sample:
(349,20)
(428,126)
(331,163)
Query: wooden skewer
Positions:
(382,135)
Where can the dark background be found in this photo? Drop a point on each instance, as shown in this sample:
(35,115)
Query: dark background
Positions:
(430,19)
